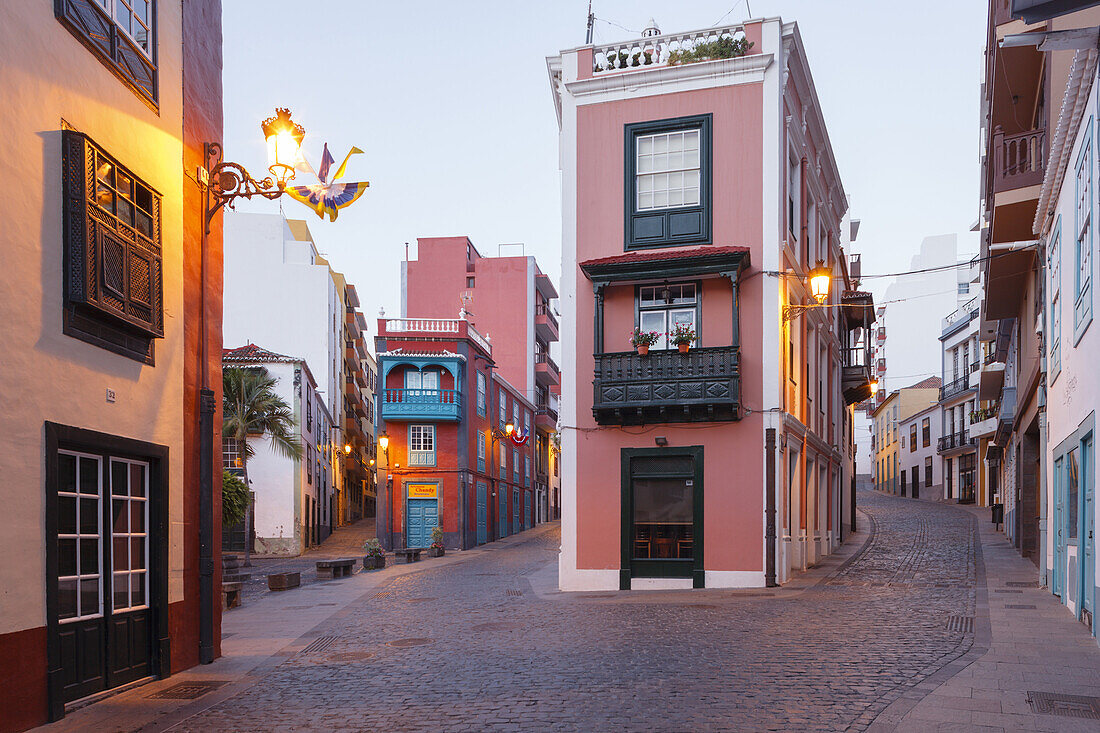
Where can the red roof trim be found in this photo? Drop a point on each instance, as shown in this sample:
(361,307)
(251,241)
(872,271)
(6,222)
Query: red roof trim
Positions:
(665,254)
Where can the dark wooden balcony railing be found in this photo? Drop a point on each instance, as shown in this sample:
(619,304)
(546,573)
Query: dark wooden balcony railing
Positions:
(667,386)
(545,310)
(544,358)
(1018,160)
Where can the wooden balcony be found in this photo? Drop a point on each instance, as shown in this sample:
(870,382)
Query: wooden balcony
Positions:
(546,371)
(421,404)
(703,385)
(1018,160)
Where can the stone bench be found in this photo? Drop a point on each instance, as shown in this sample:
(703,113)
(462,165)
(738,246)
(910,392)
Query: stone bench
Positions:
(231,595)
(410,554)
(283,581)
(329,569)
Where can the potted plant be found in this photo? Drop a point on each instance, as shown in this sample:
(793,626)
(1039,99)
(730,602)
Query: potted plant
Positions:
(376,556)
(642,340)
(682,335)
(436,548)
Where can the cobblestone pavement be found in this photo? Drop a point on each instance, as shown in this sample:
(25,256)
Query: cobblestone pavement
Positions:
(485,644)
(346,541)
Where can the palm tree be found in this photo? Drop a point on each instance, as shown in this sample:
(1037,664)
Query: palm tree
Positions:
(251,407)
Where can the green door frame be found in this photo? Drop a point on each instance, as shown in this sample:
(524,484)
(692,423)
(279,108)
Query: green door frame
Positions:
(662,568)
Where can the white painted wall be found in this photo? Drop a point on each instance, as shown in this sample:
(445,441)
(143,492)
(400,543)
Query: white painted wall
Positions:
(909,457)
(1073,394)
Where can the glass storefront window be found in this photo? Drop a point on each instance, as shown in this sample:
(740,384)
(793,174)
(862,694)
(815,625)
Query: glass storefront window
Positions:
(663,518)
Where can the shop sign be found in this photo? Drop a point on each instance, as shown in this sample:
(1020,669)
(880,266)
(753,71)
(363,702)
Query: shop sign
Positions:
(422,491)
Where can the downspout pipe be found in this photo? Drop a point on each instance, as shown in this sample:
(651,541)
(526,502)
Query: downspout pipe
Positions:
(770,530)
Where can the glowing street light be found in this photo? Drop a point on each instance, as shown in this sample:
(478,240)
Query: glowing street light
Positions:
(820,278)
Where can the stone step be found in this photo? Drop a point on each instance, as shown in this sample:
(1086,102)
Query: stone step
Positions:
(235,577)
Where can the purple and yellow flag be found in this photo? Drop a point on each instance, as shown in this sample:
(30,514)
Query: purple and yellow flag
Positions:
(328,197)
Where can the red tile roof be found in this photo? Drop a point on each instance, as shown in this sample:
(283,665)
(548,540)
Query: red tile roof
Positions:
(251,353)
(928,383)
(664,254)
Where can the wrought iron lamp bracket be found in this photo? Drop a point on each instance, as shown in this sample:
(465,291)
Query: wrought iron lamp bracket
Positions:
(228,181)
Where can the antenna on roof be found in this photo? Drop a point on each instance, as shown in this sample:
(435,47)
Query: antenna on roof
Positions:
(591,20)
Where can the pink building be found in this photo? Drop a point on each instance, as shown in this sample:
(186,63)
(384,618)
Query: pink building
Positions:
(700,193)
(509,299)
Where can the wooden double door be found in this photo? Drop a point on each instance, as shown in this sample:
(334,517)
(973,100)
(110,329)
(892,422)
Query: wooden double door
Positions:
(106,590)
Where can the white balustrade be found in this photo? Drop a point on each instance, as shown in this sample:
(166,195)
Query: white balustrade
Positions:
(423,325)
(655,50)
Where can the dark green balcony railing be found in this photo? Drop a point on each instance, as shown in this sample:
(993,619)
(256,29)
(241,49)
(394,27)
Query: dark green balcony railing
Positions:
(667,386)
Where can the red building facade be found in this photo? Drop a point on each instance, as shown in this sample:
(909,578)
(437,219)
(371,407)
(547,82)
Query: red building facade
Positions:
(450,458)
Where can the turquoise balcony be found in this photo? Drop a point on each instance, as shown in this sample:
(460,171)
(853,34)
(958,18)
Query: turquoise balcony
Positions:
(421,404)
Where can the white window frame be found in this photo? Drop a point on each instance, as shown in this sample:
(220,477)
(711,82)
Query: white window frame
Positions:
(677,178)
(110,7)
(480,450)
(1082,280)
(129,535)
(421,445)
(77,536)
(481,394)
(1055,326)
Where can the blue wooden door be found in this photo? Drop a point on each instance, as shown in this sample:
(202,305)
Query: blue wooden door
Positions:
(1059,533)
(502,512)
(423,518)
(1086,533)
(516,526)
(482,514)
(527,509)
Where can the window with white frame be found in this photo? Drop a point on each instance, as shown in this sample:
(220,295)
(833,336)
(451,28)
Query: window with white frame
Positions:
(481,394)
(1082,281)
(480,451)
(527,470)
(503,462)
(794,213)
(415,379)
(79,537)
(231,453)
(667,170)
(502,404)
(421,445)
(663,307)
(134,18)
(130,546)
(1055,269)
(515,465)
(515,414)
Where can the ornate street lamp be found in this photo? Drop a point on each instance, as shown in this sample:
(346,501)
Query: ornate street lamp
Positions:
(874,387)
(820,278)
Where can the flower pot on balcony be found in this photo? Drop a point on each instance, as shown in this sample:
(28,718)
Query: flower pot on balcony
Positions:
(683,348)
(643,349)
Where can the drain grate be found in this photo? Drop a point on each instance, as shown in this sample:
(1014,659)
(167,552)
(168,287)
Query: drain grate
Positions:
(383,594)
(319,644)
(514,592)
(1021,584)
(188,690)
(410,642)
(1069,706)
(961,624)
(1020,606)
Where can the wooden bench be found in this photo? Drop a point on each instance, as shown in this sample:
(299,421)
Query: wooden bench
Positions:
(231,595)
(341,568)
(283,581)
(409,554)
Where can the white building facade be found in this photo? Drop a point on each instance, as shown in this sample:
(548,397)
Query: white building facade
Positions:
(920,470)
(1064,220)
(294,500)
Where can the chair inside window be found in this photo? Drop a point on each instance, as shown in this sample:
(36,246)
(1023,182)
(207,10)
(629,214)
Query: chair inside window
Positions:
(685,543)
(642,538)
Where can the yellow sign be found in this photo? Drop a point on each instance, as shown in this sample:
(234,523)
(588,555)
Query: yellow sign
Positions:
(422,491)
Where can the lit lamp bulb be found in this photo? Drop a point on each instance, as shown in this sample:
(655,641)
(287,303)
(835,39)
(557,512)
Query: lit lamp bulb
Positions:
(347,449)
(284,144)
(383,441)
(819,281)
(874,387)
(509,428)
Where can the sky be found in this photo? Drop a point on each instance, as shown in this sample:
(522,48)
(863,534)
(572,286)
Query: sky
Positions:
(451,104)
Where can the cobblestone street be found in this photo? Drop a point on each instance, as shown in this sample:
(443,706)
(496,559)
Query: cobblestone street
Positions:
(485,642)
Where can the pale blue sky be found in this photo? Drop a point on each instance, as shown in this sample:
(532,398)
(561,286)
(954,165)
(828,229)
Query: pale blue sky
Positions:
(450,102)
